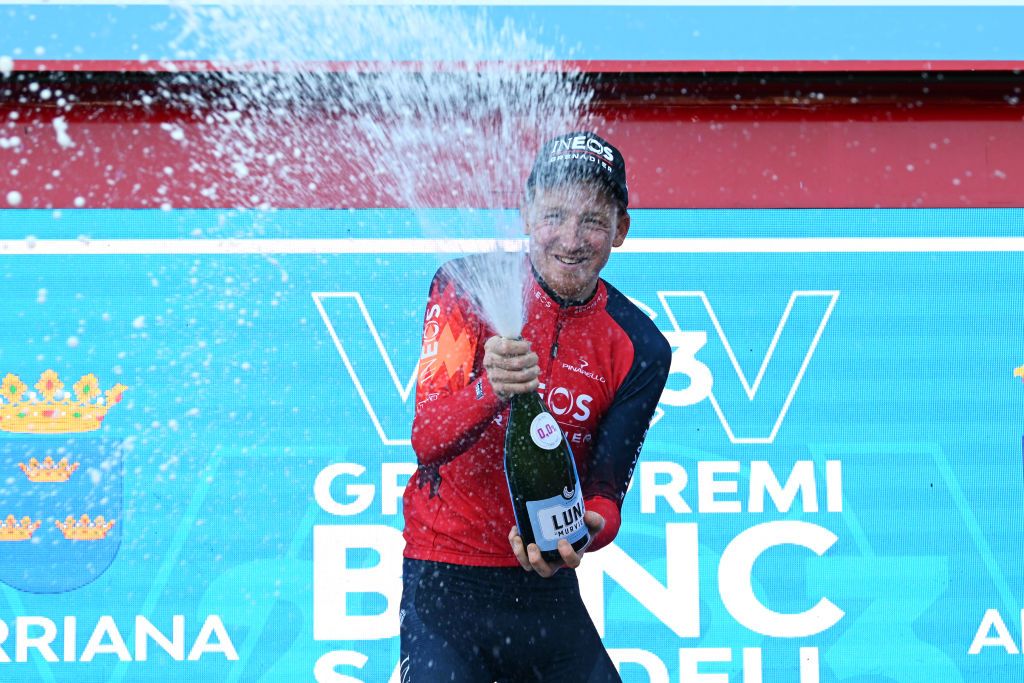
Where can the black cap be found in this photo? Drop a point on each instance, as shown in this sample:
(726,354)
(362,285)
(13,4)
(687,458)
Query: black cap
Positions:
(580,156)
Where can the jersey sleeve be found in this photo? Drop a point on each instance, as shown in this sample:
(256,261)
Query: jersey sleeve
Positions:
(622,430)
(454,400)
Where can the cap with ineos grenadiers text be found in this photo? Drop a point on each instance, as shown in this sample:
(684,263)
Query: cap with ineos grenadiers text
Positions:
(580,156)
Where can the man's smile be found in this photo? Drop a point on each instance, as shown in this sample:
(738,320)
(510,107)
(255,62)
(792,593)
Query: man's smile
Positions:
(570,260)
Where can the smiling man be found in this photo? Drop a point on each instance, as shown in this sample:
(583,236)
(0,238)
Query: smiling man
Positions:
(469,610)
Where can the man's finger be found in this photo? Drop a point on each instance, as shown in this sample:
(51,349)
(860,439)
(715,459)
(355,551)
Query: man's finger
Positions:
(523,362)
(512,376)
(507,389)
(569,556)
(538,563)
(503,346)
(516,541)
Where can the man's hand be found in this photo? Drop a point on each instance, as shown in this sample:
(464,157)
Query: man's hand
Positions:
(531,560)
(511,366)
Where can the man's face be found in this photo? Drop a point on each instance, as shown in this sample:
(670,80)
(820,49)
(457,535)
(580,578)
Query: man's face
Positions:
(572,229)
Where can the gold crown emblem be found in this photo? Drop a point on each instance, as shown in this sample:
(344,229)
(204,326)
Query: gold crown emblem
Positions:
(13,530)
(54,410)
(85,529)
(1019,372)
(48,471)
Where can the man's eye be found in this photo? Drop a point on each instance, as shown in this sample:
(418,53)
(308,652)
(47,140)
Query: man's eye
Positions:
(553,216)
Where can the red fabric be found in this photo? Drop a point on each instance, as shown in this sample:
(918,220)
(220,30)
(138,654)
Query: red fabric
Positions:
(452,350)
(457,504)
(691,154)
(612,520)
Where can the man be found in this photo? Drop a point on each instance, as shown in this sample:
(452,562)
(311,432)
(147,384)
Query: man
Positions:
(469,610)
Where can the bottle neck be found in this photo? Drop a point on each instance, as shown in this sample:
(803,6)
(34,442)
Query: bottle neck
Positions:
(531,399)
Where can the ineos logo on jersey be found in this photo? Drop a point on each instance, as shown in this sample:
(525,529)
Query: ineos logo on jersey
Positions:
(428,354)
(562,401)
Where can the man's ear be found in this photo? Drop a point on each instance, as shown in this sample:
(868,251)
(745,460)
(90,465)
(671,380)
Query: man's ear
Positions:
(621,228)
(524,215)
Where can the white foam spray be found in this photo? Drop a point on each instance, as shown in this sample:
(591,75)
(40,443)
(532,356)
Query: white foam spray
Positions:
(458,128)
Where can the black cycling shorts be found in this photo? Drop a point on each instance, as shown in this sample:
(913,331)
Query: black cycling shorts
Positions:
(484,624)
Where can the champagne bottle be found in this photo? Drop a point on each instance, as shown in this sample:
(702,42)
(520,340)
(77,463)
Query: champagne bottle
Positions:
(542,479)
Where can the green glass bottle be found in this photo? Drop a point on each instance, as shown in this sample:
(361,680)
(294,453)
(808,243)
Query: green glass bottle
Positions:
(542,479)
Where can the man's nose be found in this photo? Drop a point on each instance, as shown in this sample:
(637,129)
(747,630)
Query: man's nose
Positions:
(572,232)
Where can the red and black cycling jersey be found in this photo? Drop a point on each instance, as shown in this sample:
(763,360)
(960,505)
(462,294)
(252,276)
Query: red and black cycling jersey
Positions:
(603,366)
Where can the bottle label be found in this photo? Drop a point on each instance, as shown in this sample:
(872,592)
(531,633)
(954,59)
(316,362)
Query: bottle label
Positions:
(556,518)
(545,432)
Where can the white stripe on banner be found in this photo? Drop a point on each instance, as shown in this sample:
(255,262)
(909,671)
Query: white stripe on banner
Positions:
(637,245)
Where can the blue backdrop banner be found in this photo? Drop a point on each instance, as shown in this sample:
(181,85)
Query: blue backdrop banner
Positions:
(148,31)
(204,436)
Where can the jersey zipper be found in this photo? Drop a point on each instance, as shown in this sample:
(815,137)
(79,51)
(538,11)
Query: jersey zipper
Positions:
(558,330)
(549,377)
